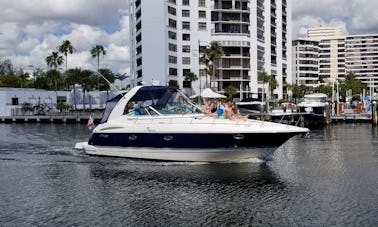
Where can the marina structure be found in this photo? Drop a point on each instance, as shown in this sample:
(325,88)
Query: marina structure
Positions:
(168,39)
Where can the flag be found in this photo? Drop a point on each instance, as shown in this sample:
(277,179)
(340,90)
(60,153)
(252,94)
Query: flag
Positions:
(90,123)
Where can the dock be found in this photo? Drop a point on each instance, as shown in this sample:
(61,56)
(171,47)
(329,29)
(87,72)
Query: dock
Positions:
(57,118)
(352,118)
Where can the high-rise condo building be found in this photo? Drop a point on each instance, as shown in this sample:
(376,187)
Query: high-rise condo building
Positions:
(306,62)
(168,38)
(330,42)
(337,55)
(362,58)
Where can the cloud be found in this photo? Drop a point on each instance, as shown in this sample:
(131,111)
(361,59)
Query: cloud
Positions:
(31,30)
(354,16)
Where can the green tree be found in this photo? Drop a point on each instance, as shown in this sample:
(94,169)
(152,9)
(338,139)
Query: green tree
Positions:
(173,83)
(73,78)
(27,108)
(10,81)
(23,77)
(88,82)
(6,67)
(103,84)
(352,83)
(63,106)
(230,91)
(54,60)
(66,48)
(96,52)
(191,77)
(325,89)
(298,91)
(264,77)
(273,84)
(210,57)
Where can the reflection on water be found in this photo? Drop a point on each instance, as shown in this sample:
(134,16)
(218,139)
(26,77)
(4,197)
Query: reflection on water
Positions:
(327,179)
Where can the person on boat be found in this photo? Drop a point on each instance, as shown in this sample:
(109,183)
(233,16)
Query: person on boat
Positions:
(220,110)
(236,112)
(206,107)
(210,108)
(137,111)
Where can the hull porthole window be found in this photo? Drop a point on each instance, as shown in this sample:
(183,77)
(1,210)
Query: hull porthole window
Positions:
(238,136)
(168,138)
(132,137)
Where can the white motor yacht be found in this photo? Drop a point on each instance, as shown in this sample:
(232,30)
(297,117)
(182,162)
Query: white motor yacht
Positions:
(315,106)
(161,123)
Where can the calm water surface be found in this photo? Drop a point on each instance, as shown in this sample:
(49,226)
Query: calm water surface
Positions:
(328,179)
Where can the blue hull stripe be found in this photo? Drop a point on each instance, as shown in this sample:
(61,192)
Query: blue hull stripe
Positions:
(156,140)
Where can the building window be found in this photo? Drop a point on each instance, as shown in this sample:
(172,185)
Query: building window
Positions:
(186,60)
(185,25)
(185,72)
(187,84)
(172,23)
(172,59)
(172,1)
(202,73)
(172,71)
(172,47)
(202,26)
(186,37)
(202,3)
(185,13)
(171,10)
(185,2)
(186,49)
(14,101)
(172,35)
(201,14)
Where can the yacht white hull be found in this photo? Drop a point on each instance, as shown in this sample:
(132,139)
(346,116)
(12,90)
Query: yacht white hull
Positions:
(181,154)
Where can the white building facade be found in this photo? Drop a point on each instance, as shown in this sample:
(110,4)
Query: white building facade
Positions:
(306,62)
(168,36)
(338,55)
(362,58)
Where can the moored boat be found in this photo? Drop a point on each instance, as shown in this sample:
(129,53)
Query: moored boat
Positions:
(161,123)
(315,106)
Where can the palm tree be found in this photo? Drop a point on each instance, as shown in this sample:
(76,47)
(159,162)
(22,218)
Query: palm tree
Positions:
(264,77)
(66,48)
(73,77)
(54,60)
(190,77)
(273,84)
(96,52)
(211,54)
(230,91)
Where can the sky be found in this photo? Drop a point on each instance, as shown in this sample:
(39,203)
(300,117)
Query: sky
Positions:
(31,29)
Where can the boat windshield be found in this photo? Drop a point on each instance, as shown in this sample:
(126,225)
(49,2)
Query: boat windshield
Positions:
(160,100)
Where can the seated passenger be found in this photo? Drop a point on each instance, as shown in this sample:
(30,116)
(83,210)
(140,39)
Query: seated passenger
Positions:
(137,111)
(236,113)
(221,110)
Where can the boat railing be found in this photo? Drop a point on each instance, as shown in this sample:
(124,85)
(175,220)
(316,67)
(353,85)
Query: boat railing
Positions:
(163,119)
